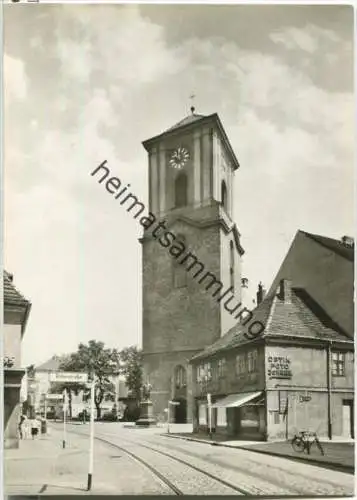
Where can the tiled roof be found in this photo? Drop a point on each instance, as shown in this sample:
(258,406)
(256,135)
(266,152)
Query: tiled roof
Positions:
(52,364)
(186,121)
(336,246)
(11,295)
(303,317)
(299,319)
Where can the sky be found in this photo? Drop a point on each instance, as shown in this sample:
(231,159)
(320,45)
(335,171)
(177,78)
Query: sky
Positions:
(87,83)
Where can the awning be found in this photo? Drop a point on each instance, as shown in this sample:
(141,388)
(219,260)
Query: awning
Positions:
(236,400)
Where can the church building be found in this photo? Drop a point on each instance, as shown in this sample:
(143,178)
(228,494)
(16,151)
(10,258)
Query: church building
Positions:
(191,171)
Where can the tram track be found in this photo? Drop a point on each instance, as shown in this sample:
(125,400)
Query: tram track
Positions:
(175,489)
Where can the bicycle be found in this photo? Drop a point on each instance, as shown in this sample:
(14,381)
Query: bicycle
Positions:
(302,442)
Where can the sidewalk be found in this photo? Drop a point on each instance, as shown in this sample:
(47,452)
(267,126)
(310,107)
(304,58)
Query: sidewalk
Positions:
(338,455)
(42,466)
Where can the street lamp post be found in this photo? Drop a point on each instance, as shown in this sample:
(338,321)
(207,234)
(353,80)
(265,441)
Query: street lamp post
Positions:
(170,403)
(64,417)
(91,433)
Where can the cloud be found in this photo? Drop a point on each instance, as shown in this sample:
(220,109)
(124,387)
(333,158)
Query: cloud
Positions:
(293,38)
(309,39)
(124,47)
(279,106)
(15,79)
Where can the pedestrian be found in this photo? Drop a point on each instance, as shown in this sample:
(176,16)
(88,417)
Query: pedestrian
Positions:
(22,419)
(34,428)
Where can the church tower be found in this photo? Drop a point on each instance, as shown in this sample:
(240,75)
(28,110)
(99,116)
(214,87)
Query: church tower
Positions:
(191,171)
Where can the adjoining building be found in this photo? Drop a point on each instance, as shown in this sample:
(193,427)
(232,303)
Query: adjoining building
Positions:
(16,313)
(299,373)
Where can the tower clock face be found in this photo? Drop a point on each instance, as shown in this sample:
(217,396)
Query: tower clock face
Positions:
(179,158)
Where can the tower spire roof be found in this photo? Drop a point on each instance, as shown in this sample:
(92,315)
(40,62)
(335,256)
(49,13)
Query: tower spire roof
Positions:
(193,117)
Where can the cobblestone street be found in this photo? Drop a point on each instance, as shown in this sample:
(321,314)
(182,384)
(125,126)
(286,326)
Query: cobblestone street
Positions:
(145,461)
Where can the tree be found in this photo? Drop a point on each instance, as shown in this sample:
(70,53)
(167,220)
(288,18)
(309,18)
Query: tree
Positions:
(131,368)
(70,388)
(98,362)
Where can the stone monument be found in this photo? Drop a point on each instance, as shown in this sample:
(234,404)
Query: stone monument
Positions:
(146,411)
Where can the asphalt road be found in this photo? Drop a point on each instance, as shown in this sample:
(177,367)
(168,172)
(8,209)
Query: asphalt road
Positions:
(189,468)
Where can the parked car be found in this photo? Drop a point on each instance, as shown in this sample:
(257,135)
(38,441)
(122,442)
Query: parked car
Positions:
(109,417)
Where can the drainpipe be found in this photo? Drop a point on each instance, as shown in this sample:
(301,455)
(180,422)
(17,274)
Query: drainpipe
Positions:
(329,407)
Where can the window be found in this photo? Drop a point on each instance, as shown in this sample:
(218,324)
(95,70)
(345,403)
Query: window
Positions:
(224,195)
(208,371)
(221,367)
(180,377)
(252,361)
(181,190)
(240,364)
(204,372)
(276,417)
(338,364)
(179,270)
(231,264)
(215,371)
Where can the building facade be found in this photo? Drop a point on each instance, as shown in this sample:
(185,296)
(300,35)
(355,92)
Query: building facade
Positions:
(191,171)
(298,375)
(16,313)
(40,391)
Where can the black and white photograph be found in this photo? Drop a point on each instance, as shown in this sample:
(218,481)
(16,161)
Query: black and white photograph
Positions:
(178,249)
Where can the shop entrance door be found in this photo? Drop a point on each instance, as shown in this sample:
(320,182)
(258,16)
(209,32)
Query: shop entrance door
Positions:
(347,419)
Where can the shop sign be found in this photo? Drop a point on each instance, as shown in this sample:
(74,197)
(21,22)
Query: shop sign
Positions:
(279,367)
(304,398)
(69,377)
(54,397)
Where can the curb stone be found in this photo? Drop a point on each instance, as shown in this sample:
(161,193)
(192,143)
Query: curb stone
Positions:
(349,469)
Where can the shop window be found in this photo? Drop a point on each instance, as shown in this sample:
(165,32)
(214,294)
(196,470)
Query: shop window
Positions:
(252,361)
(338,364)
(202,414)
(221,417)
(249,417)
(276,417)
(240,364)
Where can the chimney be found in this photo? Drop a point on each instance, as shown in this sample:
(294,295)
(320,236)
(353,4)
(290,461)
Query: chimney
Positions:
(260,293)
(348,241)
(285,291)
